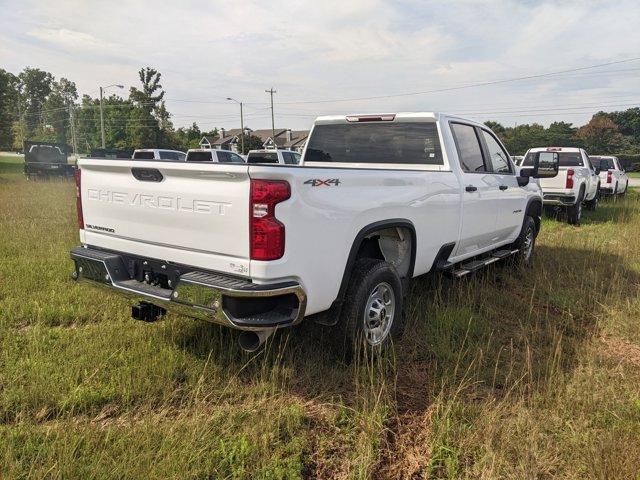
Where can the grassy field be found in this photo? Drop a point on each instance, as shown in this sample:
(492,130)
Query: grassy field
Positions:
(509,374)
(633,174)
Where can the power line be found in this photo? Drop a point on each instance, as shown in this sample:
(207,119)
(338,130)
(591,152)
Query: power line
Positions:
(461,87)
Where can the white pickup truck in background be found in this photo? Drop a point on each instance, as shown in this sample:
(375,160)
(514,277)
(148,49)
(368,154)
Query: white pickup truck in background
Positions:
(376,200)
(577,182)
(613,179)
(283,157)
(216,156)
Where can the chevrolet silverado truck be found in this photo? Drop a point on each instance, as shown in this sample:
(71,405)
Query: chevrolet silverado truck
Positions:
(577,182)
(375,201)
(613,179)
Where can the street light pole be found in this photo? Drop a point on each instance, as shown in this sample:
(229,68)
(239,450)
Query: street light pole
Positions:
(241,124)
(271,91)
(101,114)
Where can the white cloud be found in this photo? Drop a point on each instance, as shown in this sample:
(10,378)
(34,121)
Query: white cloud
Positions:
(70,39)
(333,49)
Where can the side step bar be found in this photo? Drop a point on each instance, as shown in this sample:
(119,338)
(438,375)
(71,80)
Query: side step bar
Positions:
(476,265)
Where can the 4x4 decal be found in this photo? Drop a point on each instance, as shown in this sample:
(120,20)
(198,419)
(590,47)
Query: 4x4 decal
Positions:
(316,182)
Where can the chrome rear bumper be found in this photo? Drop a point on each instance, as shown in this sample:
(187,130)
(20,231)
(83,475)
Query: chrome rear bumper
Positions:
(219,298)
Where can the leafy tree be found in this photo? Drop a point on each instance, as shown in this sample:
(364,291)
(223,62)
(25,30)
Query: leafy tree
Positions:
(8,107)
(251,142)
(601,136)
(63,94)
(34,88)
(146,120)
(628,122)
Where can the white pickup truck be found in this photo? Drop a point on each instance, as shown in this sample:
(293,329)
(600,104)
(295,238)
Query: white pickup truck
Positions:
(613,179)
(577,182)
(376,200)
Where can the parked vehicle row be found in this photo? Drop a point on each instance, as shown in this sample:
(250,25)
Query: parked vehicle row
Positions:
(283,157)
(375,201)
(576,184)
(613,178)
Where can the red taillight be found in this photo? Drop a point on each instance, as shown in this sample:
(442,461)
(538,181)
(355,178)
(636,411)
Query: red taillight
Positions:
(570,173)
(77,175)
(609,176)
(266,232)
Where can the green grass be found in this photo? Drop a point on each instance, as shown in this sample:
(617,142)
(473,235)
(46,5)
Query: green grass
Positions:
(508,374)
(633,174)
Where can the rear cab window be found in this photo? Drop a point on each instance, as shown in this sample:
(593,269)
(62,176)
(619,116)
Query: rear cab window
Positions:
(143,155)
(566,159)
(413,143)
(262,157)
(199,157)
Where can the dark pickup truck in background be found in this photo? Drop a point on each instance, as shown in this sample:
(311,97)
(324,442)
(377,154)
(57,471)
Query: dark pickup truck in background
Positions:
(46,160)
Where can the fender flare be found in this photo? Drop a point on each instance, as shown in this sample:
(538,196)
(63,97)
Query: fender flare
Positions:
(357,242)
(534,209)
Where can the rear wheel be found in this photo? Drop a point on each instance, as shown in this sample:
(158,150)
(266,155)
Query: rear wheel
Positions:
(574,212)
(372,316)
(626,185)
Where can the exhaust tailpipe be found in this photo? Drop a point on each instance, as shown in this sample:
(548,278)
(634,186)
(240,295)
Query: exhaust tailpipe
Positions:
(252,341)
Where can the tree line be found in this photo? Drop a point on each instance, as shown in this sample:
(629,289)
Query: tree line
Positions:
(34,105)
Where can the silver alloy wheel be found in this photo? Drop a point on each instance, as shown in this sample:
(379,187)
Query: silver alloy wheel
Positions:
(527,245)
(378,314)
(579,211)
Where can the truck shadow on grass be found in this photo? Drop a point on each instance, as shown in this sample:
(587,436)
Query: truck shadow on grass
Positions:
(493,330)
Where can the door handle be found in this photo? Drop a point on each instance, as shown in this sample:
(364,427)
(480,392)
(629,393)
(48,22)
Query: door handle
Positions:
(470,188)
(503,187)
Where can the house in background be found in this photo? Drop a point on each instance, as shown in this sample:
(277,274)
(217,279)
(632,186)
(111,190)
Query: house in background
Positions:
(285,139)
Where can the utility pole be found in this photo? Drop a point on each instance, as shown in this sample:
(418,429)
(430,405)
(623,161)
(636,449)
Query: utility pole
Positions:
(241,124)
(74,140)
(271,91)
(101,120)
(101,114)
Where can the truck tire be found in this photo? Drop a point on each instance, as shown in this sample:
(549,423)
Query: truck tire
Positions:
(593,203)
(574,212)
(626,185)
(525,243)
(372,315)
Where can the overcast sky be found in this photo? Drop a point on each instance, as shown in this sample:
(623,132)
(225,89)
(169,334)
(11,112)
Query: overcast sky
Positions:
(312,51)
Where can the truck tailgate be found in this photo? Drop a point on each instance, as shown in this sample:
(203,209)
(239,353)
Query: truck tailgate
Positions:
(555,183)
(186,211)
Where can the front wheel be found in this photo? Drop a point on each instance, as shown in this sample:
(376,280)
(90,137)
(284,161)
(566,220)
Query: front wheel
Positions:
(372,316)
(526,242)
(593,203)
(574,212)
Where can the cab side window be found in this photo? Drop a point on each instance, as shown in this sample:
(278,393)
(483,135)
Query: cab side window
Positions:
(497,155)
(468,146)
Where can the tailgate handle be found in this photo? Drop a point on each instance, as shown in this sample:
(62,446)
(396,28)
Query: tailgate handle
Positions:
(147,174)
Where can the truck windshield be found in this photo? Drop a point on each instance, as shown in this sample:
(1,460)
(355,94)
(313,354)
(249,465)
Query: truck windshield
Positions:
(262,157)
(567,159)
(397,142)
(143,155)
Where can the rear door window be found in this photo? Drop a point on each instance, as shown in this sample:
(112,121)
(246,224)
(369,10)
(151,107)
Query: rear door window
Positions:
(468,146)
(169,156)
(235,158)
(376,142)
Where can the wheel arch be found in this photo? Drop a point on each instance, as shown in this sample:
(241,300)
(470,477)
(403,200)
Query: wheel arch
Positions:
(534,209)
(360,239)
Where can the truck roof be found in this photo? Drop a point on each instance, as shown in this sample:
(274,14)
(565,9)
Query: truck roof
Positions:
(556,149)
(390,117)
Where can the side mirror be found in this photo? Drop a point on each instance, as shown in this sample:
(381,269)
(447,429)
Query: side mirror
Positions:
(546,165)
(598,171)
